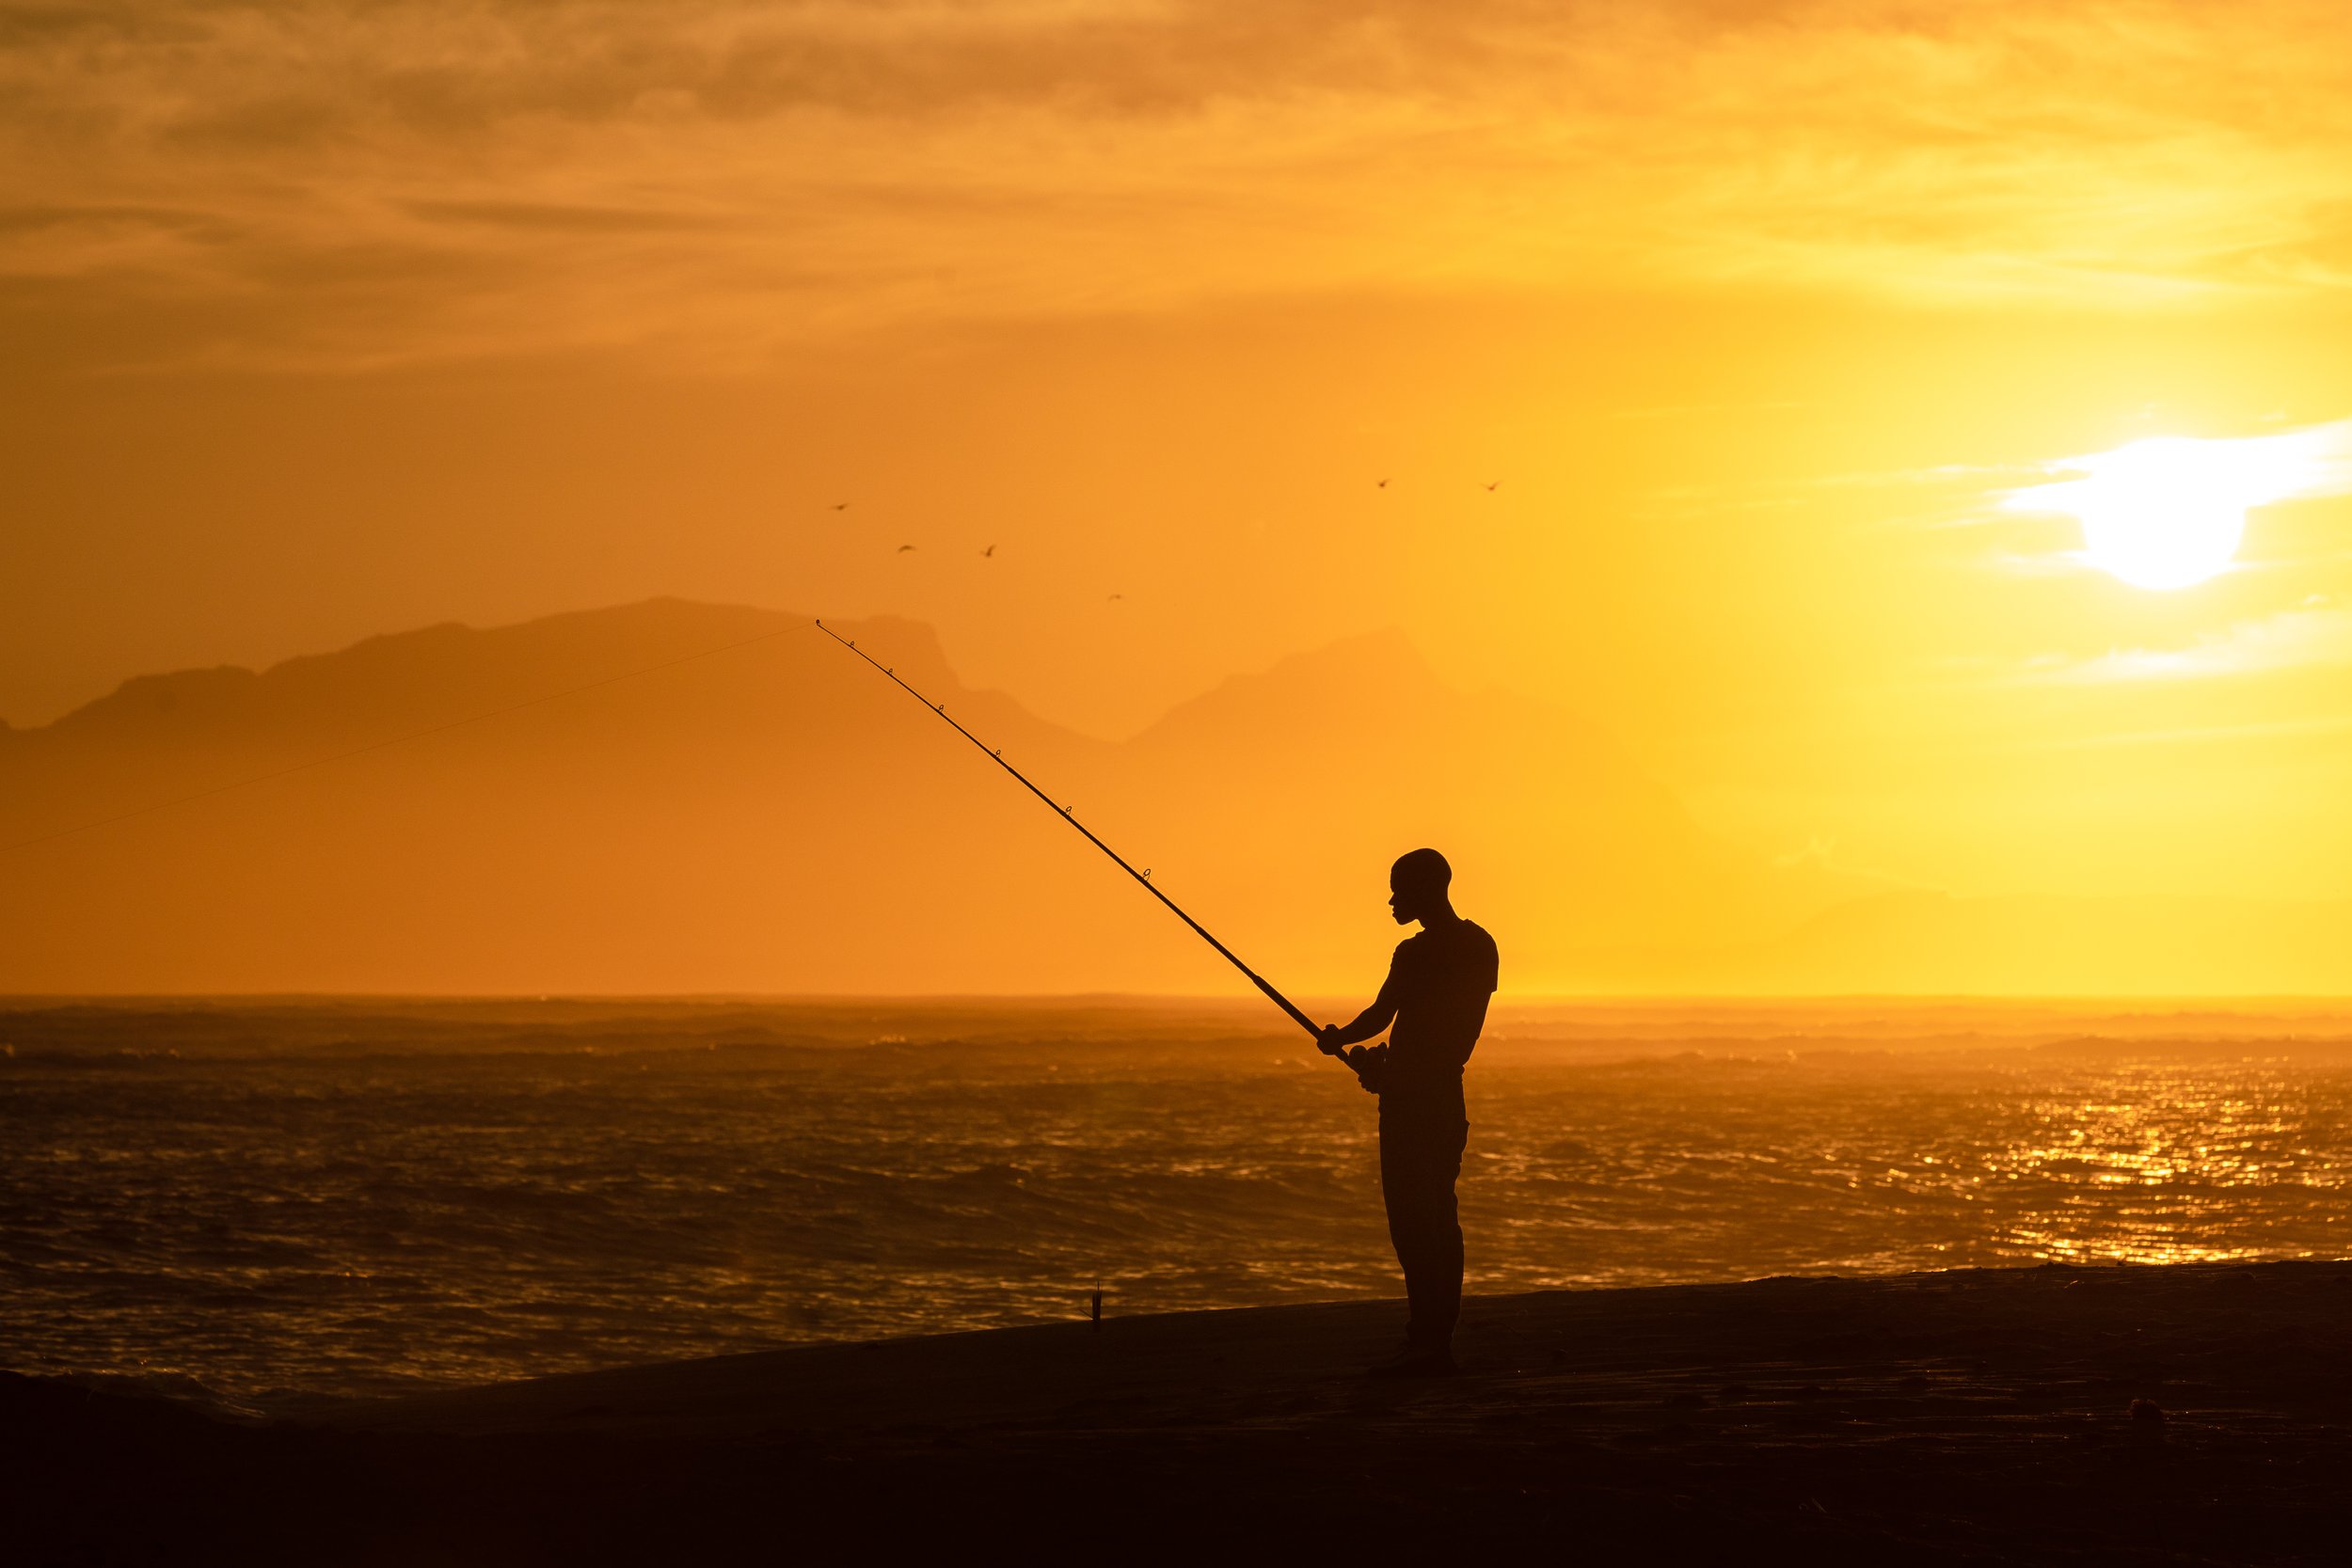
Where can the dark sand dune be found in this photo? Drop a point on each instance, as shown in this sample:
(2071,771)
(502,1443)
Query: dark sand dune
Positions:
(1968,1417)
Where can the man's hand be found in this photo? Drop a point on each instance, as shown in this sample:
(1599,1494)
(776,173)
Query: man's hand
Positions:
(1370,1066)
(1328,1040)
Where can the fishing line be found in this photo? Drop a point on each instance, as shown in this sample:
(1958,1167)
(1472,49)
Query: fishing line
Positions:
(401,739)
(1143,878)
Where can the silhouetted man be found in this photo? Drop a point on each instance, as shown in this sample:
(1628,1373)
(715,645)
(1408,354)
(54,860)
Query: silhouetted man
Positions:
(1435,996)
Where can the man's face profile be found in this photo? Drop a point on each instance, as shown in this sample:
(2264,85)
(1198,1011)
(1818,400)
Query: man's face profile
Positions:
(1416,884)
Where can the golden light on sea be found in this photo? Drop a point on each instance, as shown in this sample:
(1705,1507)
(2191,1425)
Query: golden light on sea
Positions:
(2175,1155)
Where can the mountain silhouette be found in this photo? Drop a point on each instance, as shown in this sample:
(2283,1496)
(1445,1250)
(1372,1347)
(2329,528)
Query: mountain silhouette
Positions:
(1297,786)
(769,812)
(775,818)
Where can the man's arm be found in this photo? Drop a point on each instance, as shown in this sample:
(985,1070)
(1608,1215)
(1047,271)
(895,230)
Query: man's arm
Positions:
(1337,1037)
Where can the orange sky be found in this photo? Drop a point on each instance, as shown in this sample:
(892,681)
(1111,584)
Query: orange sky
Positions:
(330,319)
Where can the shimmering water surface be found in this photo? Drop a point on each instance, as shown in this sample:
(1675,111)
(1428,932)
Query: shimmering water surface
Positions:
(287,1199)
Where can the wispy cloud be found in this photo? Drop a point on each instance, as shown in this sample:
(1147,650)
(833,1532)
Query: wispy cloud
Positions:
(2249,470)
(2314,635)
(348,181)
(2194,735)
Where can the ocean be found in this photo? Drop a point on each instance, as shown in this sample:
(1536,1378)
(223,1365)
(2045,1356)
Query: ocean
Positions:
(269,1202)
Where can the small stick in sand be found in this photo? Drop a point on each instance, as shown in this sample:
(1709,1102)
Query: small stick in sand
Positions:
(1094,1310)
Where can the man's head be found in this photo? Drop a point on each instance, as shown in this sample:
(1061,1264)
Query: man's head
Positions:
(1417,885)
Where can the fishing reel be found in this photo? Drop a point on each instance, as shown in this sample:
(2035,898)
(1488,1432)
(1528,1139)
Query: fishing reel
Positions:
(1367,1062)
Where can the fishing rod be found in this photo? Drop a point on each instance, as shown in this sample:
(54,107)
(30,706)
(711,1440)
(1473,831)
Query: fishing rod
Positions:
(996,756)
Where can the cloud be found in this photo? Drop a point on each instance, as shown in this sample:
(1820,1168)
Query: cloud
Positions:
(2304,637)
(738,176)
(561,217)
(2247,471)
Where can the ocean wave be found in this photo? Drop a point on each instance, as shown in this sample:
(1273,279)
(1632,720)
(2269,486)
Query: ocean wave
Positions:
(372,1197)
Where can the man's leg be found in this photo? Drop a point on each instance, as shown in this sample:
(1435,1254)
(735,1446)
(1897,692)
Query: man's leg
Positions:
(1437,1302)
(1444,1267)
(1400,1189)
(1419,1165)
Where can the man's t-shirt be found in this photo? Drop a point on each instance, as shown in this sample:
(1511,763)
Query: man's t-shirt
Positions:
(1443,979)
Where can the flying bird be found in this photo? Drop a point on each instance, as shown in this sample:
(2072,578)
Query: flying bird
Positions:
(1119,596)
(903,548)
(988,553)
(1490,487)
(1380,483)
(841,506)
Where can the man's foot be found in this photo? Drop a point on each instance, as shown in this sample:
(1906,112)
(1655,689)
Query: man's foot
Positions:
(1413,1362)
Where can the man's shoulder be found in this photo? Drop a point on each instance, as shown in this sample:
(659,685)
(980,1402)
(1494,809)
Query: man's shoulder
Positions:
(1463,939)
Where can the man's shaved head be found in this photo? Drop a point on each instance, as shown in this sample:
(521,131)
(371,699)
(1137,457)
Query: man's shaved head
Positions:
(1421,871)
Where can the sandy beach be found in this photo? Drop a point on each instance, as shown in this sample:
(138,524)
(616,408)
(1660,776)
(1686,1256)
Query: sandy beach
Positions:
(1978,1416)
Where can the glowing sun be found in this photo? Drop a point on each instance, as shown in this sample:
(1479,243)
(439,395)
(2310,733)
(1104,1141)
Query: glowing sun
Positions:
(2169,511)
(2161,514)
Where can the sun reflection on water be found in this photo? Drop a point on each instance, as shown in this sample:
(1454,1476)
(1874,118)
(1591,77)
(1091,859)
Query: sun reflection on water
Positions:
(316,1219)
(2173,1155)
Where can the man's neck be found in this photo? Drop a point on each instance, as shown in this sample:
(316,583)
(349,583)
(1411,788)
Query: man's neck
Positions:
(1441,918)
